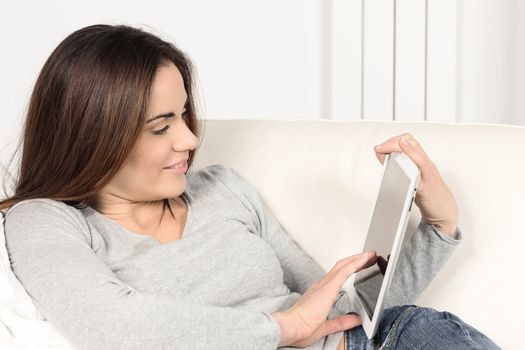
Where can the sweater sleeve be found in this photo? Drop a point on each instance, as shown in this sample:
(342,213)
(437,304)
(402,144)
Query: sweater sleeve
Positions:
(300,270)
(50,253)
(420,260)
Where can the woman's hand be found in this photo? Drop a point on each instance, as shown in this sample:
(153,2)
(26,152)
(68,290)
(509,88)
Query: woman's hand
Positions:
(306,321)
(434,199)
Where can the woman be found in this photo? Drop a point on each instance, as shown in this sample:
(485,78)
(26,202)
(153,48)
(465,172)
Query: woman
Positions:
(121,248)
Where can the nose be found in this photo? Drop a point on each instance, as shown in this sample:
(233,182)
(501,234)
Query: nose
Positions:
(183,138)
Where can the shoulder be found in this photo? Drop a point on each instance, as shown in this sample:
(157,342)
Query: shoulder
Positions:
(218,173)
(44,215)
(43,206)
(220,176)
(212,171)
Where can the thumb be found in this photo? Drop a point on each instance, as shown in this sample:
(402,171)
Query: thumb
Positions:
(341,323)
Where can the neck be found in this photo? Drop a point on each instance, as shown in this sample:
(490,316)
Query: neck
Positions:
(142,217)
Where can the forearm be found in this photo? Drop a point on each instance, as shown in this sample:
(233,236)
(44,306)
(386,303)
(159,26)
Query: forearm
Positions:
(420,260)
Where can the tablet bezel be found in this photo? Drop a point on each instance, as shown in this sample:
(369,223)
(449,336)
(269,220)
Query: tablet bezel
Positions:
(411,170)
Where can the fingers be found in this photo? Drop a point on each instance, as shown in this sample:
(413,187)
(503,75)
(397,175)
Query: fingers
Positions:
(372,258)
(344,268)
(407,144)
(354,260)
(312,309)
(340,323)
(348,259)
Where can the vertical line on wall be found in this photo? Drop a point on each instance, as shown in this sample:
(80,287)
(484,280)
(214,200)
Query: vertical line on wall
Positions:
(362,57)
(458,71)
(326,59)
(394,70)
(426,61)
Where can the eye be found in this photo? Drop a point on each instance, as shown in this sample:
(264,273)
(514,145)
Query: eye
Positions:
(162,131)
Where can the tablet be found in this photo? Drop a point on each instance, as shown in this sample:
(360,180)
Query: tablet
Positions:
(385,236)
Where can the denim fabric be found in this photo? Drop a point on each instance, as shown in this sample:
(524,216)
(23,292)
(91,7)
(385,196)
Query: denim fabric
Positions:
(413,327)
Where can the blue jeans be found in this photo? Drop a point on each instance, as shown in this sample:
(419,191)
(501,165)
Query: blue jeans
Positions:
(414,327)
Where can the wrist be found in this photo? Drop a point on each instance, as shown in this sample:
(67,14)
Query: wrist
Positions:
(448,229)
(286,325)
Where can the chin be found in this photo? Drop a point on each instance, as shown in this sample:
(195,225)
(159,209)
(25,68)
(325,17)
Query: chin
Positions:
(173,194)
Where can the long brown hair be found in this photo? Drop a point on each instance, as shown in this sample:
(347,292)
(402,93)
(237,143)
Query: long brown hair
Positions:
(88,109)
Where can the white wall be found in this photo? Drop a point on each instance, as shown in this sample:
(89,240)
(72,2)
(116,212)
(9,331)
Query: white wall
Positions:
(491,61)
(258,59)
(302,59)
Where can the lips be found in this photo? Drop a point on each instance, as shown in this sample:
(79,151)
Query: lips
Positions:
(181,162)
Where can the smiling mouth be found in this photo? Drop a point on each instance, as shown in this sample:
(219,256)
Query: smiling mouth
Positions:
(178,164)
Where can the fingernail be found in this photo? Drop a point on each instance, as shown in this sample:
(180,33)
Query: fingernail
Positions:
(377,147)
(365,255)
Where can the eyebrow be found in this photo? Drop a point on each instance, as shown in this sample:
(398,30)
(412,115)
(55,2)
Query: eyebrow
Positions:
(165,115)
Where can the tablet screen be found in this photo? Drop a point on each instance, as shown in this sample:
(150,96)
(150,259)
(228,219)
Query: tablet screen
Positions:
(381,234)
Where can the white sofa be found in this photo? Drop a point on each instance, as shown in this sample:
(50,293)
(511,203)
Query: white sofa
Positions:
(320,179)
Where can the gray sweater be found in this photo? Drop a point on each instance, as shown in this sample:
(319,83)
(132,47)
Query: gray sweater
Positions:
(105,287)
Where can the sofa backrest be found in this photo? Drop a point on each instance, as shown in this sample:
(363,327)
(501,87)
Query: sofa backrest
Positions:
(320,179)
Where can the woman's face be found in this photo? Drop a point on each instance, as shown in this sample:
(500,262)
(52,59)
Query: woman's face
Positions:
(164,141)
